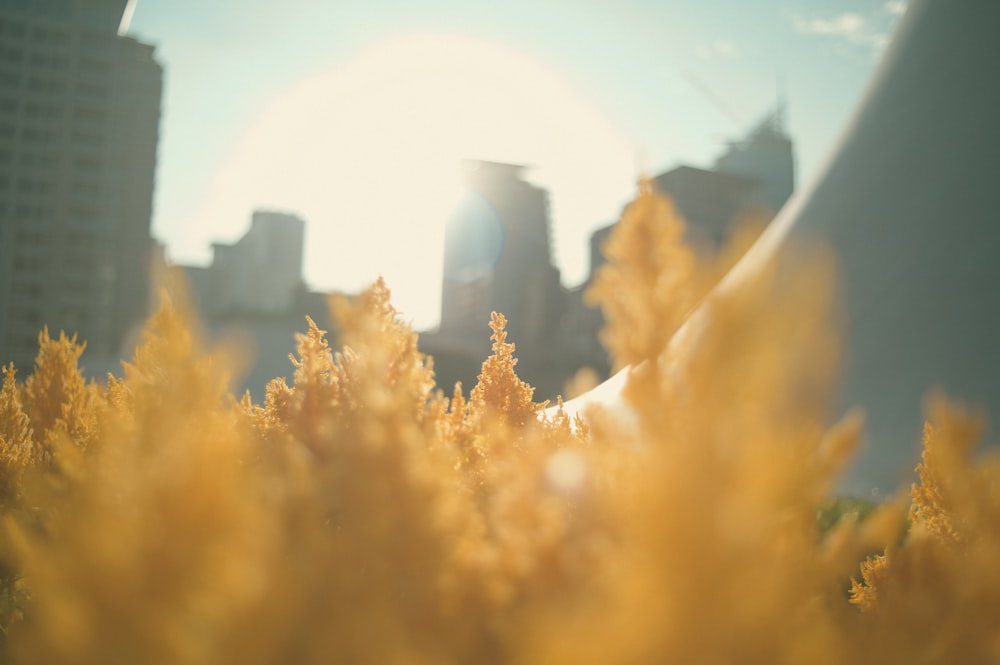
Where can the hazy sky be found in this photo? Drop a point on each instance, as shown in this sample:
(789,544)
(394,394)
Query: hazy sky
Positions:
(354,114)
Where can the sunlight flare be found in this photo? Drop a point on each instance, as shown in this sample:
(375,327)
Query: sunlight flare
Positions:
(369,154)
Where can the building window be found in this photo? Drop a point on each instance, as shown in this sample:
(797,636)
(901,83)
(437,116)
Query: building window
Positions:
(41,35)
(27,289)
(89,163)
(92,41)
(89,115)
(36,84)
(77,261)
(84,213)
(87,138)
(31,186)
(54,61)
(33,237)
(36,110)
(12,55)
(94,66)
(38,159)
(86,188)
(92,91)
(78,239)
(28,263)
(28,315)
(12,28)
(9,80)
(38,135)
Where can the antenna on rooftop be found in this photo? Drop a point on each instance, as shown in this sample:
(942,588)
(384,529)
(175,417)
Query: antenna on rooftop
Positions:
(780,104)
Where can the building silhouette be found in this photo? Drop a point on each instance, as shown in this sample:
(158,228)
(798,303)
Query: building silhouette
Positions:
(712,203)
(765,154)
(261,273)
(79,124)
(752,179)
(748,184)
(498,257)
(253,296)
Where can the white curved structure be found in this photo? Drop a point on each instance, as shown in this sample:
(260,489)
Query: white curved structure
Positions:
(909,201)
(127,14)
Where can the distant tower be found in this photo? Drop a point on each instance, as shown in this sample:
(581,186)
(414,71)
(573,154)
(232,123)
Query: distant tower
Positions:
(498,257)
(79,124)
(766,155)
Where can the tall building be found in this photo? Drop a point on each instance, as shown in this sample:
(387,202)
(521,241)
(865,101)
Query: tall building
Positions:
(498,257)
(79,124)
(498,254)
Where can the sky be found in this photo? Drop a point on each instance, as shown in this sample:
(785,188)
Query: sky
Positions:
(356,115)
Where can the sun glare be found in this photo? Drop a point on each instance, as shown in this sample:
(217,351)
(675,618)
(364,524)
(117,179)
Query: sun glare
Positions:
(369,153)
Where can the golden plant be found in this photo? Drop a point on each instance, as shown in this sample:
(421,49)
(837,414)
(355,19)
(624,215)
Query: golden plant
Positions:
(361,514)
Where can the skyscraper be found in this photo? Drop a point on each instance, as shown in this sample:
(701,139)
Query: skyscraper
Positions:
(498,258)
(79,123)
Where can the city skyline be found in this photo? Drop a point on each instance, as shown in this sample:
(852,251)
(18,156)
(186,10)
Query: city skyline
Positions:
(255,114)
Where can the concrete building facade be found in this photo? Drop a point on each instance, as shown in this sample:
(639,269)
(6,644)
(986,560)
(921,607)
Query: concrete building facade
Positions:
(79,126)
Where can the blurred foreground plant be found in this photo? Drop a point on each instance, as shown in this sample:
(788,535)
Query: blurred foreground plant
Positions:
(361,515)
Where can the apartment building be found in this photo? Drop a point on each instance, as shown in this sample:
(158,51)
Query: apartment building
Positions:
(79,124)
